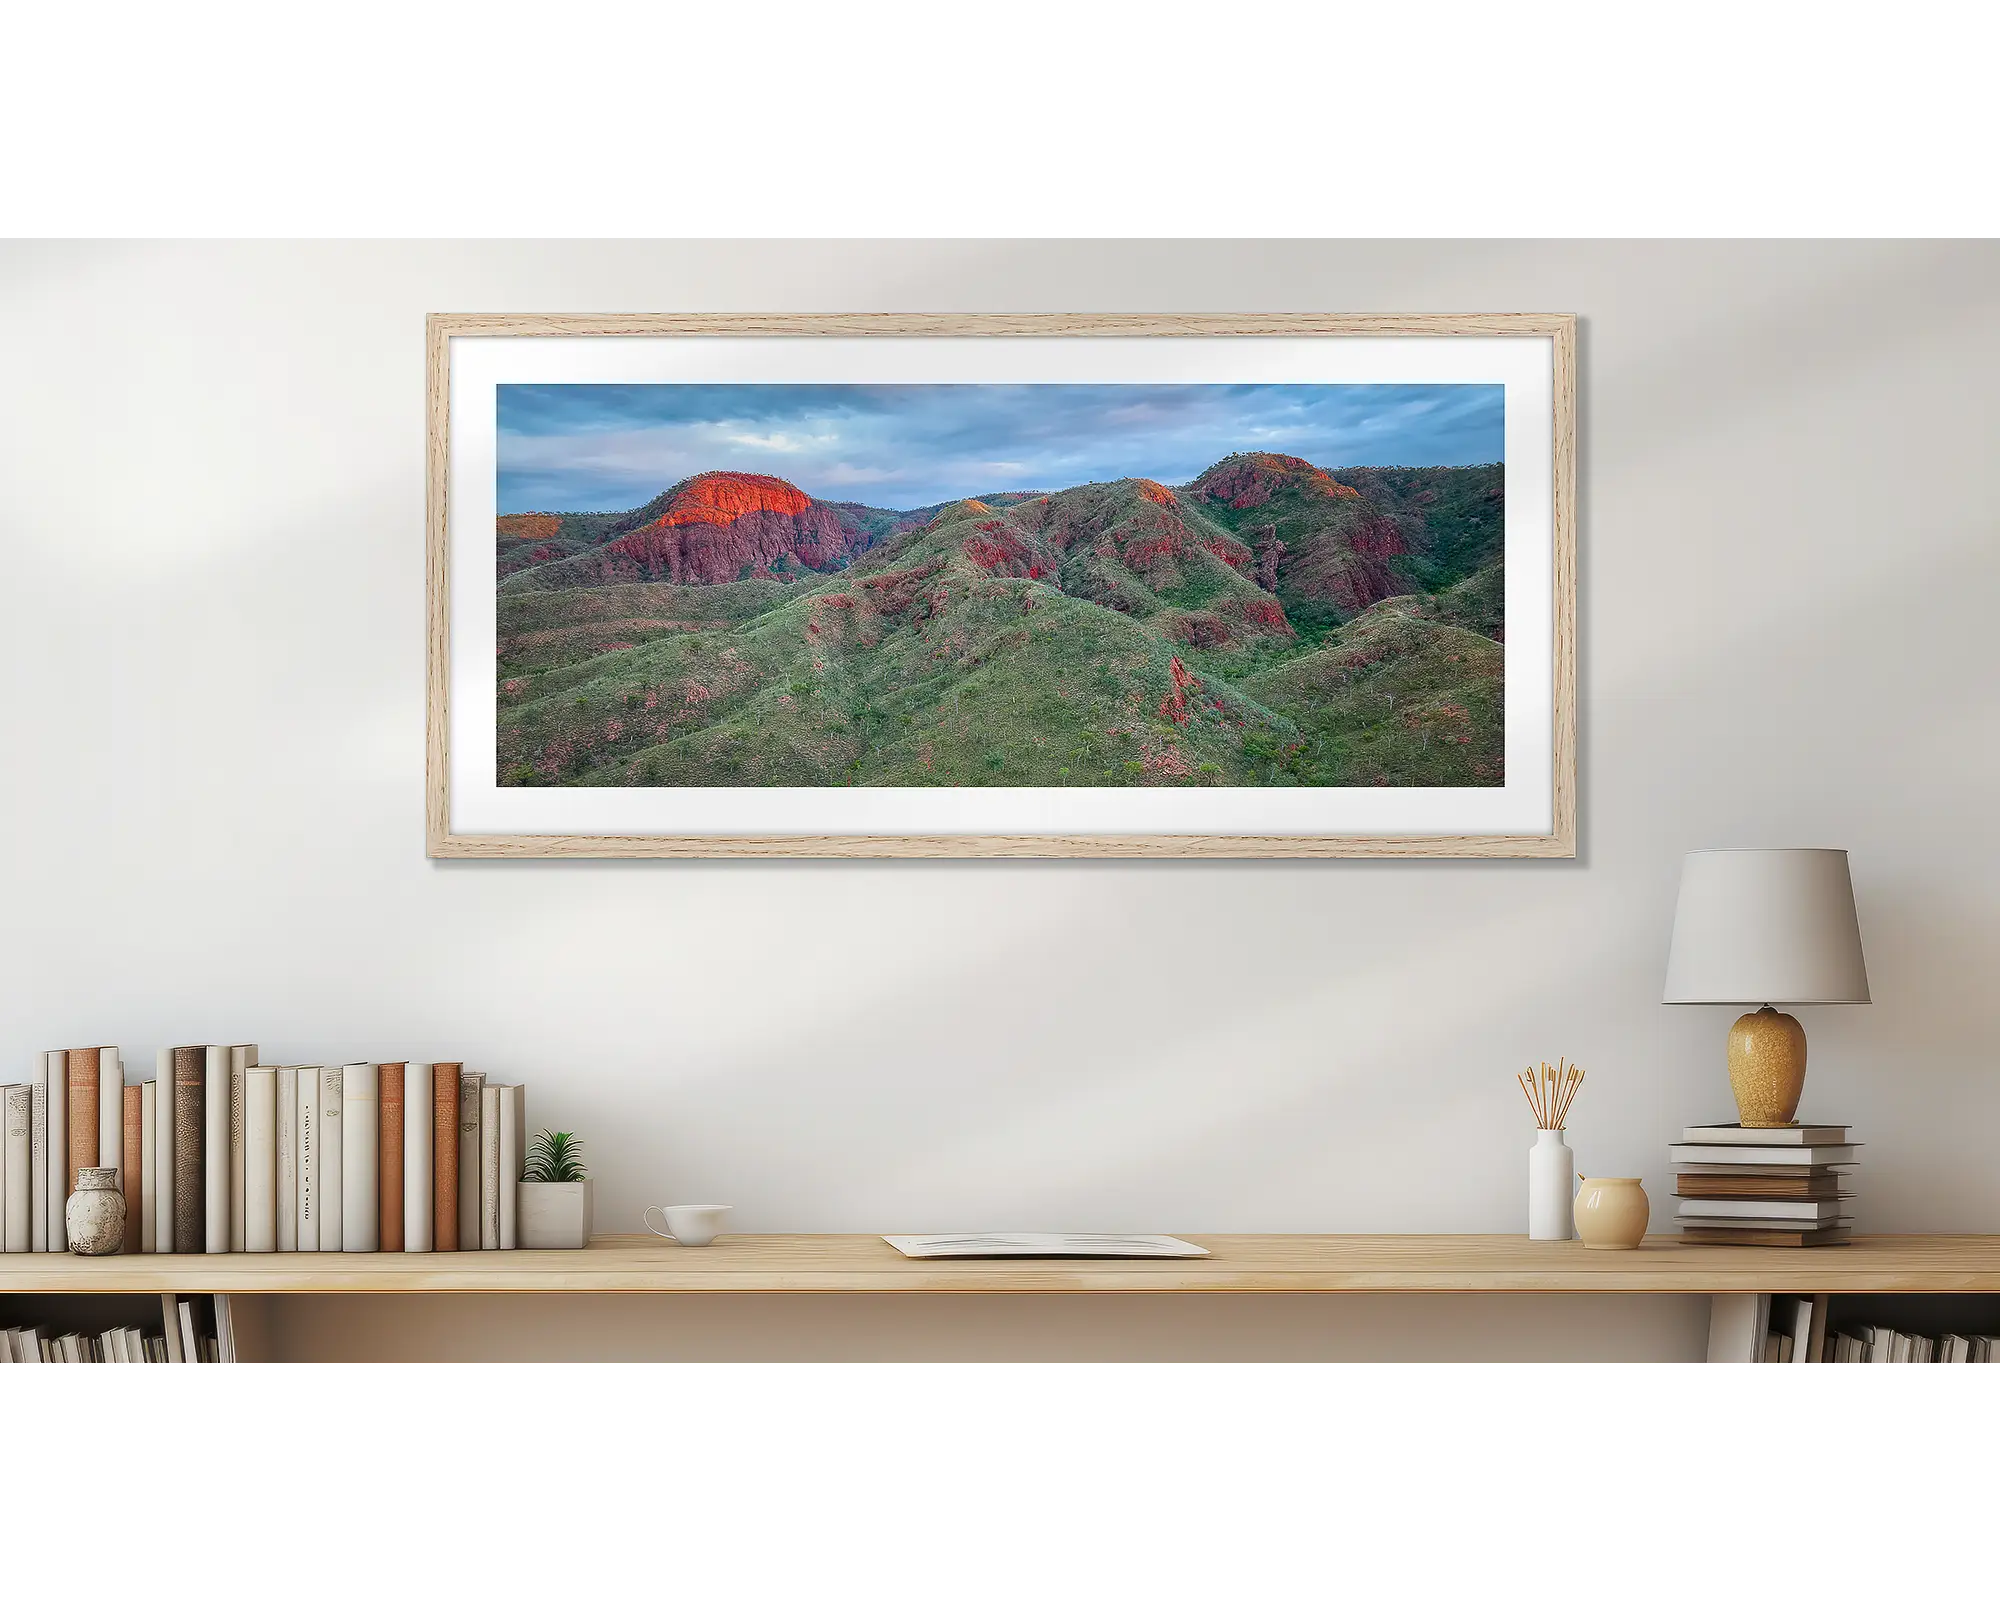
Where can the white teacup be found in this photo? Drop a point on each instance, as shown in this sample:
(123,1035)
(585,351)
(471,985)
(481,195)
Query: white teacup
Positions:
(689,1225)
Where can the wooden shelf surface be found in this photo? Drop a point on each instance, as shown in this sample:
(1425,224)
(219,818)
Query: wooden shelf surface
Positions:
(847,1263)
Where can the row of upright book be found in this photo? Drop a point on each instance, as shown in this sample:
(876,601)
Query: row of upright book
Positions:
(1765,1186)
(189,1332)
(1869,1345)
(219,1153)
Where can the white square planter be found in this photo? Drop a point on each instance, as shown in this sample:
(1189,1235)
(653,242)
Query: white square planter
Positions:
(554,1216)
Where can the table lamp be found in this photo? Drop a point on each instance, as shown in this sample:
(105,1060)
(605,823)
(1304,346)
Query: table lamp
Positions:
(1766,928)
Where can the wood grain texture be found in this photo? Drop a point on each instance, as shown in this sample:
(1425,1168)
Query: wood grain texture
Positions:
(1240,1263)
(442,327)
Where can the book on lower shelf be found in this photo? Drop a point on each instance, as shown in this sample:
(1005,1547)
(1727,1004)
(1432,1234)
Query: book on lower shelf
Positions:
(1786,1187)
(192,1328)
(1870,1344)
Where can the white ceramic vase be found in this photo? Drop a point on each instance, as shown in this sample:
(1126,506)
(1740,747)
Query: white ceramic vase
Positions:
(554,1216)
(1551,1186)
(94,1217)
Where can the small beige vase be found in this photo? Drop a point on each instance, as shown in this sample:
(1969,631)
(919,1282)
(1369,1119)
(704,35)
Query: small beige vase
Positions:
(1611,1213)
(94,1218)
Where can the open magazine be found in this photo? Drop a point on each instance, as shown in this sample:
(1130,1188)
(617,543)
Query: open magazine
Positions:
(1139,1246)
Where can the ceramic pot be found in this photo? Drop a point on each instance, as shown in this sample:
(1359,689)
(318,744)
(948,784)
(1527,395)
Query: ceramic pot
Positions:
(554,1216)
(1611,1213)
(95,1214)
(1551,1182)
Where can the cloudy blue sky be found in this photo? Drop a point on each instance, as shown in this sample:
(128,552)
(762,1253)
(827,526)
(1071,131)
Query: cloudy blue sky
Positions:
(609,447)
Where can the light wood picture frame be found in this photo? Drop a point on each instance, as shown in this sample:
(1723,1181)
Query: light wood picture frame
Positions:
(1524,806)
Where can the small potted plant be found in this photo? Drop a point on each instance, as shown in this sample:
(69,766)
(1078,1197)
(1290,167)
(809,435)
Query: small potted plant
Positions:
(555,1195)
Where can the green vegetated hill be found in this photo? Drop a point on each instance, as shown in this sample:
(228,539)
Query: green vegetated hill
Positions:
(1269,623)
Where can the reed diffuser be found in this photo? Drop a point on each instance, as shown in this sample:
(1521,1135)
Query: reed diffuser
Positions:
(1551,1166)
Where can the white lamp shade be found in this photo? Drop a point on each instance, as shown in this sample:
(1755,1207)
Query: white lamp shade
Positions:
(1766,927)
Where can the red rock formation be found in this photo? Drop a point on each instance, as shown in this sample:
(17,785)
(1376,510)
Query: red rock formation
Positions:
(1200,630)
(528,525)
(1000,549)
(721,523)
(1246,481)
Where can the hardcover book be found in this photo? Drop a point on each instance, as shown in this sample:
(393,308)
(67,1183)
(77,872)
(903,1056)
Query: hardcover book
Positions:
(260,1159)
(419,1122)
(133,1106)
(19,1115)
(38,1160)
(1769,1210)
(149,1167)
(288,1164)
(1824,1185)
(242,1057)
(471,1110)
(1764,1155)
(512,1156)
(361,1131)
(330,1160)
(83,1127)
(489,1168)
(215,1148)
(444,1155)
(190,1170)
(163,1151)
(307,1157)
(1766,1236)
(389,1155)
(111,1115)
(1797,1134)
(55,1080)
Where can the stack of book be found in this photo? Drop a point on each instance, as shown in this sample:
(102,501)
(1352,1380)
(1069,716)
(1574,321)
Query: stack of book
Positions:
(219,1153)
(1782,1186)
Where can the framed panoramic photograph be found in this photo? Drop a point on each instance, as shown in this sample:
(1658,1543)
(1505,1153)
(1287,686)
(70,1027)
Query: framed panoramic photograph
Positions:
(1080,585)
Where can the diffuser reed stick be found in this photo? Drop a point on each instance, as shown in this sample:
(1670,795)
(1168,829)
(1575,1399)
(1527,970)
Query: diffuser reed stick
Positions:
(1551,1091)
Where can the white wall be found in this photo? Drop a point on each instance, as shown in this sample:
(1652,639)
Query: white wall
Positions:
(211,489)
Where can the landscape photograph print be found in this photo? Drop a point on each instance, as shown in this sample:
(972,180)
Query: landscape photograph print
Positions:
(1000,585)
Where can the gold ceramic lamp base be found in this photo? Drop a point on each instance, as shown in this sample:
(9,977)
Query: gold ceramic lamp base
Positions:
(1767,1068)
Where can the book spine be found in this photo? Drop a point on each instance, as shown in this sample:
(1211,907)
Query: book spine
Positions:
(288,1163)
(444,1155)
(38,1160)
(360,1184)
(20,1167)
(242,1057)
(331,1157)
(417,1126)
(111,1112)
(149,1167)
(389,1156)
(215,1149)
(471,1107)
(82,1115)
(307,1157)
(260,1160)
(190,1122)
(134,1131)
(489,1168)
(510,1165)
(55,1076)
(163,1151)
